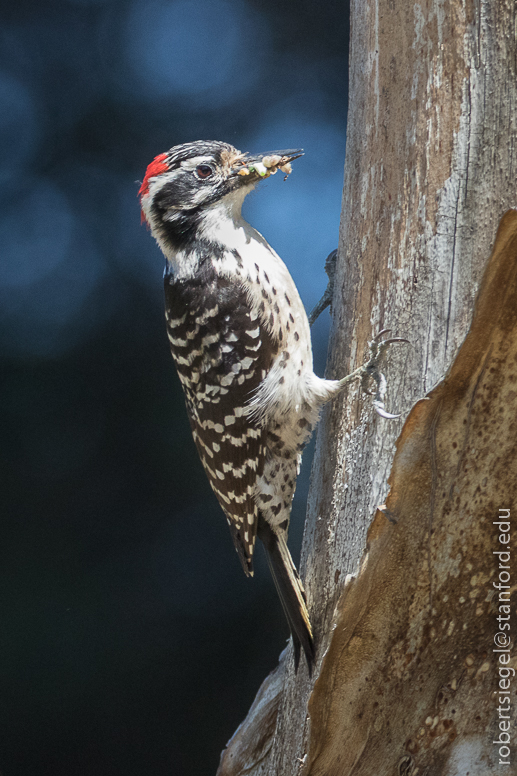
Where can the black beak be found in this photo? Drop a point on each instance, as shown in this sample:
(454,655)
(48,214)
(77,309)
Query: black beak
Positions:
(263,165)
(288,156)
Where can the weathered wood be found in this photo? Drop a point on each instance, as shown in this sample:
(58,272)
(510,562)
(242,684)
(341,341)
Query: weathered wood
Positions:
(430,169)
(409,678)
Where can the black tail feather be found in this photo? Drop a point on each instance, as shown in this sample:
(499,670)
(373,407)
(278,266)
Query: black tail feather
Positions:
(290,591)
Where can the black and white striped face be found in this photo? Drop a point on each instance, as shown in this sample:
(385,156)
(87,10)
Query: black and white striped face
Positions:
(188,177)
(182,184)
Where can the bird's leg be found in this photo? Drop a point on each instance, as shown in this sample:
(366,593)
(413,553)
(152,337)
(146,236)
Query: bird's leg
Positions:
(378,348)
(326,299)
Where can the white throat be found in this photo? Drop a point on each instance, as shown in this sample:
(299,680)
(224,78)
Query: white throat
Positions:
(222,226)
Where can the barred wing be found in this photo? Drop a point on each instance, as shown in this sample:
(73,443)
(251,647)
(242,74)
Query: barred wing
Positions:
(222,353)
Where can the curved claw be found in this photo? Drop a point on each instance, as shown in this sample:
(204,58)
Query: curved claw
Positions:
(395,339)
(382,412)
(324,302)
(371,371)
(381,334)
(378,348)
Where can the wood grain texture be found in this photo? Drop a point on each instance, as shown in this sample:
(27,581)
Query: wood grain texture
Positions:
(410,673)
(430,170)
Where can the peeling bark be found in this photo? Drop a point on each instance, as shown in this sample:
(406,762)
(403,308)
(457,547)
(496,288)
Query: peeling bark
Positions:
(410,674)
(430,170)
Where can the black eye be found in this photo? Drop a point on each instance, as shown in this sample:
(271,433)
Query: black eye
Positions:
(204,171)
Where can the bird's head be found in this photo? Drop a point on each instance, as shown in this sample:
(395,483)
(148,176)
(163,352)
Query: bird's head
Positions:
(184,184)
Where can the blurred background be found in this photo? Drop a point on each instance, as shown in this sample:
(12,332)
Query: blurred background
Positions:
(130,640)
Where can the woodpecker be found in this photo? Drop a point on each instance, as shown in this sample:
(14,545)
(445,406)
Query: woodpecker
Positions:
(240,339)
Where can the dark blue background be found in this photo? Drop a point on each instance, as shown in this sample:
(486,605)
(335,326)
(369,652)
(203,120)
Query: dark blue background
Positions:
(130,641)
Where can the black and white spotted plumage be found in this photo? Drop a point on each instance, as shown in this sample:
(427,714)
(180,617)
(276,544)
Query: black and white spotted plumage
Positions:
(221,354)
(240,340)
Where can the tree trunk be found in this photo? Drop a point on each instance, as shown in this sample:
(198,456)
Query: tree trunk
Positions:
(407,681)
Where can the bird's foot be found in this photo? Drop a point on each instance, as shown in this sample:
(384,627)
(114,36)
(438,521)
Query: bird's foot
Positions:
(370,370)
(378,348)
(326,299)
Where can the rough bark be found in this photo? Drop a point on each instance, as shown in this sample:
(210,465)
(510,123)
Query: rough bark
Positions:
(430,170)
(408,682)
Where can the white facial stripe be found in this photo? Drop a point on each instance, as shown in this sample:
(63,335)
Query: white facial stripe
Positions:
(194,161)
(159,180)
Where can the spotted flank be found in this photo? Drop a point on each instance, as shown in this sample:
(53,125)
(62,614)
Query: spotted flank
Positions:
(240,339)
(221,354)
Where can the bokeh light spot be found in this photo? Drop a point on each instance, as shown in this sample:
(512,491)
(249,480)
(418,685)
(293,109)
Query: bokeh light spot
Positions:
(18,125)
(35,234)
(199,51)
(50,273)
(49,317)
